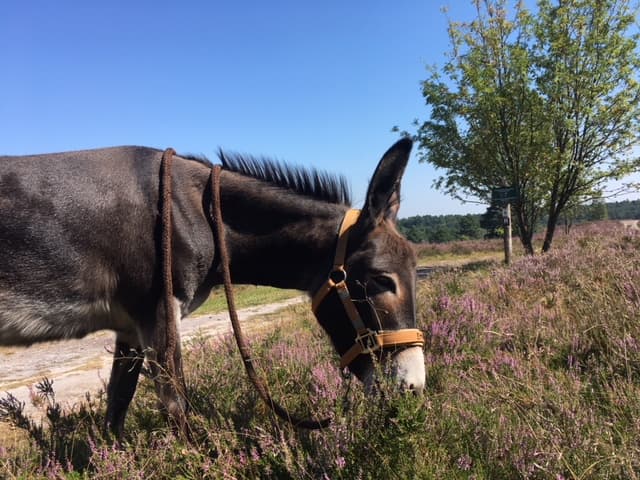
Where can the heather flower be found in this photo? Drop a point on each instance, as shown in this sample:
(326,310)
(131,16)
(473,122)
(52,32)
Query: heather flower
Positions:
(464,462)
(52,469)
(255,455)
(533,371)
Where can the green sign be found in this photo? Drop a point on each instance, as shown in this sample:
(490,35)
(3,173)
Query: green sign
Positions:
(504,195)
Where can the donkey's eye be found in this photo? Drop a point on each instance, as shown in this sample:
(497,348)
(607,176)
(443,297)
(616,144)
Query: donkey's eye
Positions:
(384,283)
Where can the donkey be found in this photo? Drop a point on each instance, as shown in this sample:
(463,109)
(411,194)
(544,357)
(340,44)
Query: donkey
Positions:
(80,252)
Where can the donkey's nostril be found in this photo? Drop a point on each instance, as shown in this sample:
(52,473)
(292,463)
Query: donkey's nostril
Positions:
(411,389)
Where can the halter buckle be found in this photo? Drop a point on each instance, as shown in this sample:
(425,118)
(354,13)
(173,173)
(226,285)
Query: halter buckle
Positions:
(369,341)
(338,276)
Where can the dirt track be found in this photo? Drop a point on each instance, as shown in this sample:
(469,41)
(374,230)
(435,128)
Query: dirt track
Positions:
(80,366)
(631,223)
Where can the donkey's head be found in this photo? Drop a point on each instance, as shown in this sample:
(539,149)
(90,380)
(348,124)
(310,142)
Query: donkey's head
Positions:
(367,305)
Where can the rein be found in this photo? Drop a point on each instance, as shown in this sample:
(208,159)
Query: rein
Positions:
(167,260)
(167,280)
(366,341)
(245,353)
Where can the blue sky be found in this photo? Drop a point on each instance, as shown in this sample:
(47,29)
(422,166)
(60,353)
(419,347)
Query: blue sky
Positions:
(313,83)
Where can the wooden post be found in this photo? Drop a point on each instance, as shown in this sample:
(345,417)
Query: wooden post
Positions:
(503,196)
(508,242)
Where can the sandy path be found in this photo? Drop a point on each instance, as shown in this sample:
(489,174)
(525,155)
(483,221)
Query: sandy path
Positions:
(635,224)
(80,366)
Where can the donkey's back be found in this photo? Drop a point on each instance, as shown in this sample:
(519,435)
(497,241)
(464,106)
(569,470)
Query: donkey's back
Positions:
(76,241)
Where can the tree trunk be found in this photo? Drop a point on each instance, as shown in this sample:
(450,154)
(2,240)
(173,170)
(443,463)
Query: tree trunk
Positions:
(526,233)
(527,242)
(551,228)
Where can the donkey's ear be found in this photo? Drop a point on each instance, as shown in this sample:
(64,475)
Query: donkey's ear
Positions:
(383,197)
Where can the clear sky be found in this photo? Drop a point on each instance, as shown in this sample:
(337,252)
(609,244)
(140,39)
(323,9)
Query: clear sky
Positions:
(312,83)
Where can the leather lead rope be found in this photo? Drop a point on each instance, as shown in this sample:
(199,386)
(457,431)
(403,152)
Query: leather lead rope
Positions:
(166,249)
(245,353)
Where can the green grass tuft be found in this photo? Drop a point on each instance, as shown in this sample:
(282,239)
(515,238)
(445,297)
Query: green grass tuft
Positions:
(245,296)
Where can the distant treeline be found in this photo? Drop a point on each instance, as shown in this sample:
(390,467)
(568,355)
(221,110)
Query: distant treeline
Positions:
(626,210)
(446,228)
(441,228)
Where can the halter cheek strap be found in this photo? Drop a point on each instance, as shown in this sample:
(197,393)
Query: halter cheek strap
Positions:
(366,340)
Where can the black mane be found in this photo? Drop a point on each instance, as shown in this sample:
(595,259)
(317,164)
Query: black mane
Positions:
(309,182)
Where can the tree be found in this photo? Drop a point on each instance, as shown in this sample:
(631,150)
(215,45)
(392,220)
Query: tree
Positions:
(443,234)
(596,210)
(548,104)
(469,227)
(588,79)
(493,221)
(416,234)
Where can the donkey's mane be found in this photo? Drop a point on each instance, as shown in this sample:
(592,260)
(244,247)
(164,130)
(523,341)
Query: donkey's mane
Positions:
(308,182)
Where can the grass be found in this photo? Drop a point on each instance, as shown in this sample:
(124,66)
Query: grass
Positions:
(468,251)
(245,296)
(533,372)
(462,253)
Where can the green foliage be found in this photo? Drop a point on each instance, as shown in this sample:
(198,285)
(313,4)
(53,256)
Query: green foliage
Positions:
(493,221)
(624,210)
(448,228)
(441,228)
(546,103)
(246,296)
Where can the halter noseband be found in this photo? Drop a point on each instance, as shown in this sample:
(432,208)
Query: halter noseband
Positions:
(367,340)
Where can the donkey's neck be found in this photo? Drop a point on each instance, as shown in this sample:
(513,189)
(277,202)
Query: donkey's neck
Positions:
(276,237)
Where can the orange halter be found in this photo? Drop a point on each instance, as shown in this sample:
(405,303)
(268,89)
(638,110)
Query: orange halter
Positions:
(367,340)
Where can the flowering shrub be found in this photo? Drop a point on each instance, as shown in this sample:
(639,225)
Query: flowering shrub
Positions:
(536,366)
(533,371)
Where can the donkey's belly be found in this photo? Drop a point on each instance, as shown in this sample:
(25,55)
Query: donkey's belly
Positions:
(26,320)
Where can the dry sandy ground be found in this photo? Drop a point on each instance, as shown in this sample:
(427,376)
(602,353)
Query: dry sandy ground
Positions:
(80,366)
(631,223)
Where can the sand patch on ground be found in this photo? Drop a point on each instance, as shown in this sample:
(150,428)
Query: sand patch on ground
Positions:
(80,366)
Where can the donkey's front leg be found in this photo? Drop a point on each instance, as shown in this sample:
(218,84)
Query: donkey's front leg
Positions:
(165,362)
(127,362)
